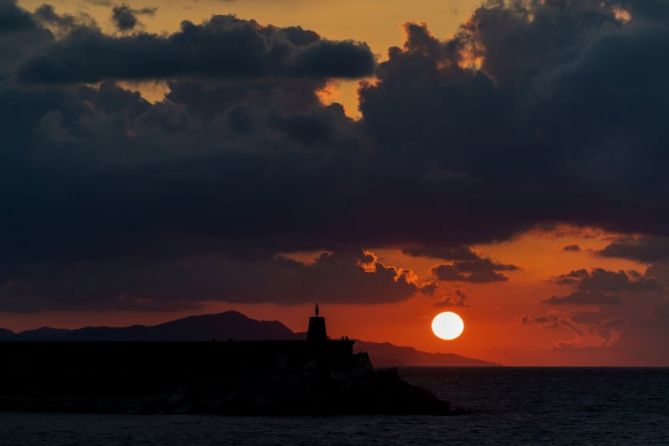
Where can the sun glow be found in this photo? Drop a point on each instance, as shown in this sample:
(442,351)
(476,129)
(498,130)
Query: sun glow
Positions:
(622,15)
(447,326)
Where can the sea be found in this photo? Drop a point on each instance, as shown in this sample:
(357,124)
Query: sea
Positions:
(507,405)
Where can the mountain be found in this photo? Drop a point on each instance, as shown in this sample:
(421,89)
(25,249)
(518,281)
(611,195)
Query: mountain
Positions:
(221,326)
(6,335)
(386,355)
(43,333)
(234,325)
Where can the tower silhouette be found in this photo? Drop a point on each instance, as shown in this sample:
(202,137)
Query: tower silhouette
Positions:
(317,331)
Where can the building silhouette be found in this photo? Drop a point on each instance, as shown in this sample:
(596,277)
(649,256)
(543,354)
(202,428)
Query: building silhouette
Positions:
(317,331)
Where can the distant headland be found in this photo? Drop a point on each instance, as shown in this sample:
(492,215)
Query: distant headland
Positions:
(175,368)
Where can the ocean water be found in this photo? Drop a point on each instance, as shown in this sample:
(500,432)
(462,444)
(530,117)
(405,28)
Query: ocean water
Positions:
(573,406)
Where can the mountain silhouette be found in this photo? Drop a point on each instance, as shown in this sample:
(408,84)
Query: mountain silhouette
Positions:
(43,333)
(221,326)
(6,335)
(236,326)
(386,355)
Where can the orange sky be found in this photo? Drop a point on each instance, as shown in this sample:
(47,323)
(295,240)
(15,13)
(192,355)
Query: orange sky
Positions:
(493,328)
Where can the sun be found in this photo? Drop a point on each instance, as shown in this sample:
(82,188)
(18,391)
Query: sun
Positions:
(447,325)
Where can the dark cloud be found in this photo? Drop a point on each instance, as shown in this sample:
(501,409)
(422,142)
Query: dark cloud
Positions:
(481,270)
(572,278)
(601,287)
(13,18)
(47,14)
(222,47)
(186,282)
(554,96)
(625,316)
(430,288)
(62,23)
(125,18)
(560,121)
(599,279)
(223,155)
(647,9)
(584,298)
(571,248)
(640,249)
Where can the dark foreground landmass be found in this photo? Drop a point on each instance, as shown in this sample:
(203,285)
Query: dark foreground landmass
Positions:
(313,390)
(227,378)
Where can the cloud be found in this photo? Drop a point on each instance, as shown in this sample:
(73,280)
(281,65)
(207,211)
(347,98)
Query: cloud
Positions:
(584,298)
(640,249)
(429,288)
(187,282)
(557,112)
(12,18)
(481,270)
(599,279)
(626,318)
(222,47)
(553,320)
(602,287)
(571,248)
(125,18)
(591,331)
(242,162)
(63,23)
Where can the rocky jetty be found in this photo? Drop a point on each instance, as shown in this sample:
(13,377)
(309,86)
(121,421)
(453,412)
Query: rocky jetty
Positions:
(315,390)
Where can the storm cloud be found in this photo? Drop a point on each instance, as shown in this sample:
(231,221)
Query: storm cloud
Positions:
(222,47)
(537,114)
(163,284)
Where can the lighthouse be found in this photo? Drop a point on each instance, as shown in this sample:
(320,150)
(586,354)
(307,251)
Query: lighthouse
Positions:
(317,332)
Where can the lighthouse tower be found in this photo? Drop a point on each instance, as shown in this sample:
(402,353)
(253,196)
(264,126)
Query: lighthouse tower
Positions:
(317,332)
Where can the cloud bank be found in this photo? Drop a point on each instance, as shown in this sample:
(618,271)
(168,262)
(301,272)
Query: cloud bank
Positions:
(537,113)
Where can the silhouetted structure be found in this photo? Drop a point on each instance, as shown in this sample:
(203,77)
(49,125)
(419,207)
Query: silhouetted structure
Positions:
(317,331)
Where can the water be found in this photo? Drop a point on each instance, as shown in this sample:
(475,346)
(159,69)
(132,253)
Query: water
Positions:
(512,406)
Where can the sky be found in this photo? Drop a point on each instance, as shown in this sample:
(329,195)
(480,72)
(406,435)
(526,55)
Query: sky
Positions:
(386,159)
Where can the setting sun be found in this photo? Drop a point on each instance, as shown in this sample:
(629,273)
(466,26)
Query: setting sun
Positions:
(447,326)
